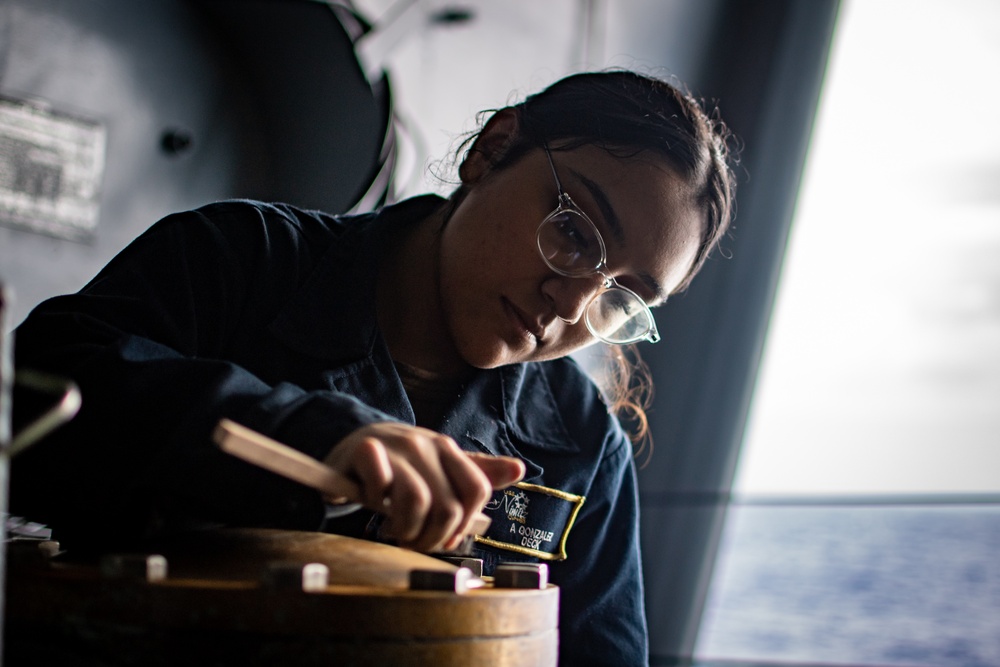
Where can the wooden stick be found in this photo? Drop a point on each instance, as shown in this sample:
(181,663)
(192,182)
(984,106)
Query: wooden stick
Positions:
(269,454)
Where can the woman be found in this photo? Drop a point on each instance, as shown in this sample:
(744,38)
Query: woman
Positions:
(421,349)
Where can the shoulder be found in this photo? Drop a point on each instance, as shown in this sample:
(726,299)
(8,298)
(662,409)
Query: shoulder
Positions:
(249,216)
(244,233)
(273,221)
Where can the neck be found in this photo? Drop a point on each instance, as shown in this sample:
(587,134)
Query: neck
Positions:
(410,312)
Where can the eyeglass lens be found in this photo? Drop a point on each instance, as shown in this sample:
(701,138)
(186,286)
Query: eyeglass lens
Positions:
(570,244)
(618,316)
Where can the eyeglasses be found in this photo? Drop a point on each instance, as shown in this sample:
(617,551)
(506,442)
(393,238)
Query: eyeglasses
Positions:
(570,244)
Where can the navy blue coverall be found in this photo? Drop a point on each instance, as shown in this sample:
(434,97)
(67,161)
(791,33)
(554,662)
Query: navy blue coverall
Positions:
(265,313)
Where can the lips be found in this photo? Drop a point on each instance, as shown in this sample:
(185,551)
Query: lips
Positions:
(525,323)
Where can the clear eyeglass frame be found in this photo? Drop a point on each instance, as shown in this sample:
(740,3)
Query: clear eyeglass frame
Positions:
(571,245)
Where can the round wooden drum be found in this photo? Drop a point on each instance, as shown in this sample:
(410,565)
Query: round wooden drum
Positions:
(236,597)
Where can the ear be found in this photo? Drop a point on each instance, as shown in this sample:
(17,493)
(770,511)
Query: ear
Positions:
(490,146)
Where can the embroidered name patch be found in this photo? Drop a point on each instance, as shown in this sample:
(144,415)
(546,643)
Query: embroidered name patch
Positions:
(532,520)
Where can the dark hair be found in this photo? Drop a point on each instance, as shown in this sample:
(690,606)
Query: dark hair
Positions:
(625,112)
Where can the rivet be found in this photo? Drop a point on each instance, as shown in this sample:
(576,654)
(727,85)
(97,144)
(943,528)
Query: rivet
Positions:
(521,575)
(473,564)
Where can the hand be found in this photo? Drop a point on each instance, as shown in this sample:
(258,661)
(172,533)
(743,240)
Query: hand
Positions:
(429,488)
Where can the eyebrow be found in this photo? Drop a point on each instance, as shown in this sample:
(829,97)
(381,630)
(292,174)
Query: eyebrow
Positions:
(617,231)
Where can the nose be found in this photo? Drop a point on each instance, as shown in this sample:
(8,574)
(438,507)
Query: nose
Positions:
(571,296)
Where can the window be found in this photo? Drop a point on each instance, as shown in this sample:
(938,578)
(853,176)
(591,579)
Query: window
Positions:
(867,529)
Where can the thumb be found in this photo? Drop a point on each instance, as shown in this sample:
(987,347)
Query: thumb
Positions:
(502,471)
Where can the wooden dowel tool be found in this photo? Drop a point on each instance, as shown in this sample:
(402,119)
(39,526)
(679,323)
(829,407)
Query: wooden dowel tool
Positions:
(269,454)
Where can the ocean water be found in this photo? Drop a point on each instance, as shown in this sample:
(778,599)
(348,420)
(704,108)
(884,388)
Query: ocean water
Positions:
(857,585)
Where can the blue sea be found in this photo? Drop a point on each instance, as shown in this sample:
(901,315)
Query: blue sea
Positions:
(909,585)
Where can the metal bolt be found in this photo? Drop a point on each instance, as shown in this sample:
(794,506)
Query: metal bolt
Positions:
(474,564)
(521,575)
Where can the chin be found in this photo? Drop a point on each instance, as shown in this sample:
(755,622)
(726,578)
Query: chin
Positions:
(486,362)
(492,356)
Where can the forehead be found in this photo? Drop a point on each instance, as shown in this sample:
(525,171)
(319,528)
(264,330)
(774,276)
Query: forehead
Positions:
(647,213)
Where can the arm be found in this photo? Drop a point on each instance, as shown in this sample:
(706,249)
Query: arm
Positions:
(148,342)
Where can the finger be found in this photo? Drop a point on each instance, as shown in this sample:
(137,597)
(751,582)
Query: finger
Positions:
(501,471)
(472,488)
(441,527)
(370,465)
(410,505)
(445,516)
(457,487)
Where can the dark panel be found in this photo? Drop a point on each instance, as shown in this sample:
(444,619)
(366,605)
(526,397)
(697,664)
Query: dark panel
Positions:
(322,124)
(766,67)
(200,101)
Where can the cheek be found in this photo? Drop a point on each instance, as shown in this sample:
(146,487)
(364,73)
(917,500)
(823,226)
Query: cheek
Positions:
(468,287)
(483,254)
(467,263)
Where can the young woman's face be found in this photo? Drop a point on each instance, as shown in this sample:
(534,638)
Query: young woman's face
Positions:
(502,304)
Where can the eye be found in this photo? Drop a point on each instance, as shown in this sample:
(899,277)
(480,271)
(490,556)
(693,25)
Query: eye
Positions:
(572,232)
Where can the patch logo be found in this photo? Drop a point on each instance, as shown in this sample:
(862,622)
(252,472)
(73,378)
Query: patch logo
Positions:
(514,503)
(532,520)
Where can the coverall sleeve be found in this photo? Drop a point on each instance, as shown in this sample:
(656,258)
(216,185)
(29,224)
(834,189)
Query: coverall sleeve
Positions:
(147,342)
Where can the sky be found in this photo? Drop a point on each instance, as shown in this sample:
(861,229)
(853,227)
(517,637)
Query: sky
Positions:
(882,367)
